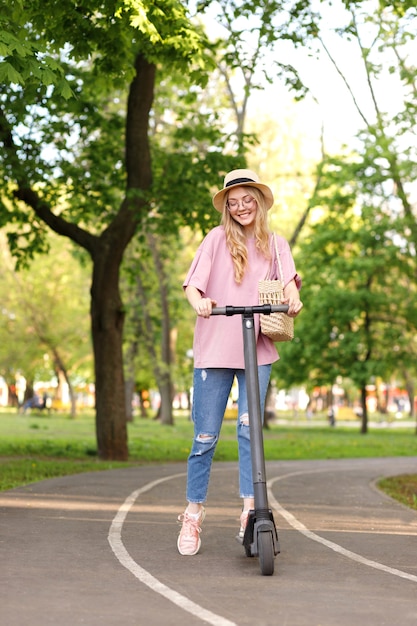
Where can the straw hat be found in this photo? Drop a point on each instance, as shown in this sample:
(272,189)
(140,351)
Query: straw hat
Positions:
(239,178)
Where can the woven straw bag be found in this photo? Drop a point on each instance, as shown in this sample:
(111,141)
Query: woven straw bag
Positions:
(277,326)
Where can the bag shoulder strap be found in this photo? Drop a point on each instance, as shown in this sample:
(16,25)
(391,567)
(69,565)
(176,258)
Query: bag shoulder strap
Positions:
(278,258)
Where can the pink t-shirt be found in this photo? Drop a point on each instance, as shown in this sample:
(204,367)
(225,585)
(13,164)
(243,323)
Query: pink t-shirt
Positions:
(218,340)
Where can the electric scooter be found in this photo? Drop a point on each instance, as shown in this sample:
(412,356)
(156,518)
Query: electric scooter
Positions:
(261,537)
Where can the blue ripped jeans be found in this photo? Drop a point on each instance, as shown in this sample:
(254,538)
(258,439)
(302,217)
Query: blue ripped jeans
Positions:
(212,387)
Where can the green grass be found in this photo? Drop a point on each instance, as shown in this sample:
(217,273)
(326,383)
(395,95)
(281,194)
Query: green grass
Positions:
(16,472)
(403,488)
(34,447)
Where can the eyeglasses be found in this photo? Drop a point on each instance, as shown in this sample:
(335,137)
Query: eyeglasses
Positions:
(247,202)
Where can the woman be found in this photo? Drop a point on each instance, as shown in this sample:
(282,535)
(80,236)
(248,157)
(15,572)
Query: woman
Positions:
(230,261)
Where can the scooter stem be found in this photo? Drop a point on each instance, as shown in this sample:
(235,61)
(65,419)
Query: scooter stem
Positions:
(255,417)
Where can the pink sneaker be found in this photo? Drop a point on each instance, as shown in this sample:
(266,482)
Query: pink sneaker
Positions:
(243,523)
(189,541)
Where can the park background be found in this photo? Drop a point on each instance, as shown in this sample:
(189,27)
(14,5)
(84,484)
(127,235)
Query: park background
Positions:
(118,121)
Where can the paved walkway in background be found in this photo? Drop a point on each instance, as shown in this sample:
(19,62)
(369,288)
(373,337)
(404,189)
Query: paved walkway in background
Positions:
(99,549)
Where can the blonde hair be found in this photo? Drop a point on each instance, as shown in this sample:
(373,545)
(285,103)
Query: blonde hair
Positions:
(235,233)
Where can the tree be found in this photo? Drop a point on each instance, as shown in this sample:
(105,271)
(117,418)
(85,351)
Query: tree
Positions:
(359,291)
(64,165)
(47,329)
(358,244)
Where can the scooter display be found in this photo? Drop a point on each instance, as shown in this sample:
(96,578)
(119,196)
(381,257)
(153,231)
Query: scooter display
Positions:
(261,537)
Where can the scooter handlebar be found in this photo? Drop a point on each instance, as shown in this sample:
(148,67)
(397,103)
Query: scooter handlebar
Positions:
(265,309)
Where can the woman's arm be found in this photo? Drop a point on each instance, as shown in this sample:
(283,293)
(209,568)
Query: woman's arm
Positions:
(202,306)
(292,298)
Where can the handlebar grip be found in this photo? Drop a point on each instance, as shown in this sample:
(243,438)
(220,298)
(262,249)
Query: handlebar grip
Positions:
(265,309)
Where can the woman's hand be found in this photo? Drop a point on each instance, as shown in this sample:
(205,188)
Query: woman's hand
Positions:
(292,298)
(294,306)
(204,306)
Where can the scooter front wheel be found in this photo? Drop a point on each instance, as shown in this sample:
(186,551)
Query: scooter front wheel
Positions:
(266,553)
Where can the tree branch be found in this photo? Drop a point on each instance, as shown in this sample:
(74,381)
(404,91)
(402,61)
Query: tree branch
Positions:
(25,193)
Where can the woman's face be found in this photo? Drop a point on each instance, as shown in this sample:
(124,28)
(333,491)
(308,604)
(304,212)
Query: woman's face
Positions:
(242,207)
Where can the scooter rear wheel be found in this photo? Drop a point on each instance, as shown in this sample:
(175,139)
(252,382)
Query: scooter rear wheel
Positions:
(266,553)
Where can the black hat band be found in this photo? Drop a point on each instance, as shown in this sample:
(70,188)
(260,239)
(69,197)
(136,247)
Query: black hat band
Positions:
(236,181)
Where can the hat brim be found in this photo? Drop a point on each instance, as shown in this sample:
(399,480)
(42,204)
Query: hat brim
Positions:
(218,198)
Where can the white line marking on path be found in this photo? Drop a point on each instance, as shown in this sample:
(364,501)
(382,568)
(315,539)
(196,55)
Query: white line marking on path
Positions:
(295,523)
(116,543)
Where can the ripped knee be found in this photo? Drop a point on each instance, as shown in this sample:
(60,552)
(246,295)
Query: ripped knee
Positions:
(205,438)
(244,419)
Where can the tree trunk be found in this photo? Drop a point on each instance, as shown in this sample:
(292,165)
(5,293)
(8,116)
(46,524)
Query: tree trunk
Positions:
(409,385)
(61,370)
(107,314)
(165,384)
(165,389)
(129,391)
(269,409)
(161,364)
(130,356)
(364,426)
(107,330)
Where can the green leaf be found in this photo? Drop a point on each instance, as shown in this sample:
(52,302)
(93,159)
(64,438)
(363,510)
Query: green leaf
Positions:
(8,74)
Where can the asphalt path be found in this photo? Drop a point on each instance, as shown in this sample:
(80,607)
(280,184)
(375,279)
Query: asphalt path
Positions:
(100,549)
